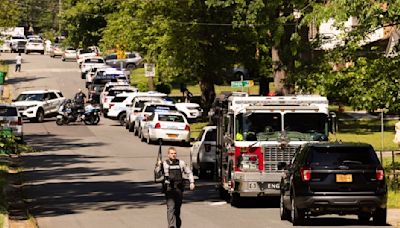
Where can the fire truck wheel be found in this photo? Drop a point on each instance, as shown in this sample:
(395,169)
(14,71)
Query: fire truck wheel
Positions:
(223,194)
(235,200)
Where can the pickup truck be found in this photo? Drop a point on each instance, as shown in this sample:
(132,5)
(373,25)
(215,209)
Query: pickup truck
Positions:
(89,63)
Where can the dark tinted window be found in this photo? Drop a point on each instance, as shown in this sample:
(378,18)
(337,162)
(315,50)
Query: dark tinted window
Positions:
(118,99)
(116,92)
(211,135)
(112,56)
(333,156)
(8,111)
(94,61)
(60,94)
(52,96)
(31,97)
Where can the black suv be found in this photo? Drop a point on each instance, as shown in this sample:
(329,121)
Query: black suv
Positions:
(334,178)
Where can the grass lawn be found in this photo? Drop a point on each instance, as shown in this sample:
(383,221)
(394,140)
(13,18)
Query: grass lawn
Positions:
(367,131)
(138,79)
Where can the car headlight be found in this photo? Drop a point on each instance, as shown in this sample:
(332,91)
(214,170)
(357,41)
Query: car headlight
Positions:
(30,106)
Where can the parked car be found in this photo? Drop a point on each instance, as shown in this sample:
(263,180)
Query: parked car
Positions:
(69,54)
(11,119)
(101,78)
(14,46)
(334,178)
(136,106)
(192,111)
(56,50)
(83,53)
(131,60)
(148,109)
(38,104)
(6,46)
(34,45)
(19,46)
(91,62)
(202,152)
(166,126)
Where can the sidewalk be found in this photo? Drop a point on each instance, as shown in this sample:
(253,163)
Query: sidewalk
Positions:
(393,217)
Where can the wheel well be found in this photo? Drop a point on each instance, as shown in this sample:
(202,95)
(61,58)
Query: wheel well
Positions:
(119,115)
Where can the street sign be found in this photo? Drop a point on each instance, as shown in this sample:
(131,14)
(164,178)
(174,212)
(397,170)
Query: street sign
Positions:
(239,84)
(149,70)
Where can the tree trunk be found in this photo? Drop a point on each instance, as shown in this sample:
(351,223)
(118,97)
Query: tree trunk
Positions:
(278,72)
(207,94)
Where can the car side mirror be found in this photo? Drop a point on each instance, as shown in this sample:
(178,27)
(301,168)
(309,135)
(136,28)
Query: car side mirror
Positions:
(282,166)
(14,100)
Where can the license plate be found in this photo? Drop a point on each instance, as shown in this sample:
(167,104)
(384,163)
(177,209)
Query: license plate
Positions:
(273,185)
(172,135)
(344,178)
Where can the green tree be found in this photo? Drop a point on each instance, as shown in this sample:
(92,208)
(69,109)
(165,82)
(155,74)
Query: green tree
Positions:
(10,13)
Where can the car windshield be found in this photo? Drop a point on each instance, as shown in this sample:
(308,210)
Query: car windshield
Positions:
(259,126)
(306,126)
(35,41)
(335,156)
(31,97)
(8,111)
(170,118)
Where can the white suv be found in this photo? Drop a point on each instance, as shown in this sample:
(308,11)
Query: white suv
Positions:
(38,104)
(202,153)
(34,45)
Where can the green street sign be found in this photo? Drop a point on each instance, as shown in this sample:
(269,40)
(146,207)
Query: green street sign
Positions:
(239,84)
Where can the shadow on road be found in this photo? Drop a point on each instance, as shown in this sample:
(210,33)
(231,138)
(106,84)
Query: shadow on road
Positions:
(53,142)
(23,79)
(336,221)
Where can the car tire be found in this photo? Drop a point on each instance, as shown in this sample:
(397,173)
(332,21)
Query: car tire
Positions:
(122,119)
(236,200)
(297,215)
(141,135)
(42,53)
(130,128)
(379,216)
(40,116)
(130,66)
(284,212)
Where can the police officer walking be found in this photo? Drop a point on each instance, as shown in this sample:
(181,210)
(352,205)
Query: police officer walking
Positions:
(174,186)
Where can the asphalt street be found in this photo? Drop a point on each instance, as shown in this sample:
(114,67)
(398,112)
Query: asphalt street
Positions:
(102,176)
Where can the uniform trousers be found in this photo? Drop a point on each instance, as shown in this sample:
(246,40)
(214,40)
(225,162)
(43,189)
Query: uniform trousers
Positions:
(174,203)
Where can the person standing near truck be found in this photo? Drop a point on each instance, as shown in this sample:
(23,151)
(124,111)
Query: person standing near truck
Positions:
(173,186)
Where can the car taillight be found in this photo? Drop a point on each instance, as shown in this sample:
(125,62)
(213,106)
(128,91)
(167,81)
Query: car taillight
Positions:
(187,128)
(379,175)
(19,121)
(111,105)
(207,147)
(158,125)
(305,173)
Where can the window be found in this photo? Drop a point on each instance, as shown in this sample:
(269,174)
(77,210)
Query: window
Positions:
(211,135)
(31,97)
(52,96)
(170,118)
(334,156)
(118,99)
(60,94)
(111,57)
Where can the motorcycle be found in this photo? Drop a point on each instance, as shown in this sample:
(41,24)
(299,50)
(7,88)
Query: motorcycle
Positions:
(67,113)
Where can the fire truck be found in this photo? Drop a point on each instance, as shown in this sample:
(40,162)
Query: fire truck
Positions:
(257,135)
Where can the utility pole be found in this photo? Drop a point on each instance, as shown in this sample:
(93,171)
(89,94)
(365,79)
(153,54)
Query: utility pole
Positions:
(59,16)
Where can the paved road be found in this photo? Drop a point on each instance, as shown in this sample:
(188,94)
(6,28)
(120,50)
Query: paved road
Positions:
(101,176)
